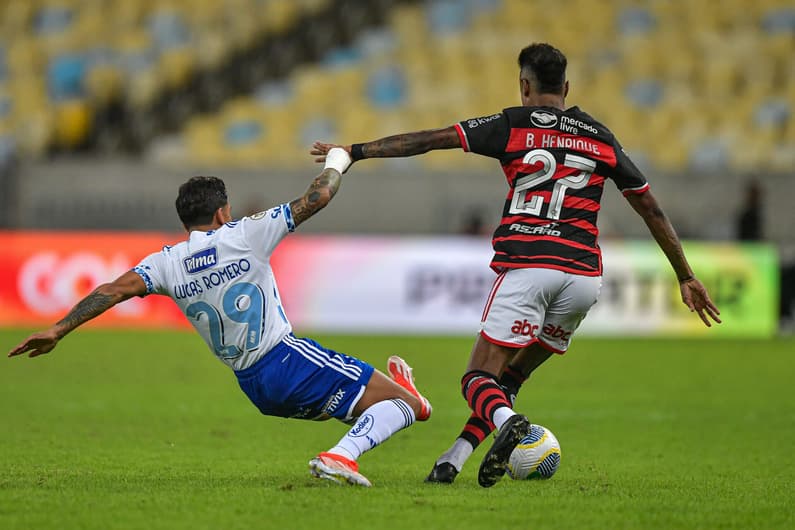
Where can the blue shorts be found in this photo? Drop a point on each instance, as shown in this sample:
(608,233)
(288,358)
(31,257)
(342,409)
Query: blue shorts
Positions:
(299,378)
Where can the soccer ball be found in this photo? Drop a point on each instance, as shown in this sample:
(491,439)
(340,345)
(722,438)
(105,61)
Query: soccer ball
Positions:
(536,456)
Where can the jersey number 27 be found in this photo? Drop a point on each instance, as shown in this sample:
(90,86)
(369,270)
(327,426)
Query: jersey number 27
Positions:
(525,202)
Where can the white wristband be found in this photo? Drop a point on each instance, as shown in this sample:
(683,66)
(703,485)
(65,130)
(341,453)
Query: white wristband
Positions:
(339,159)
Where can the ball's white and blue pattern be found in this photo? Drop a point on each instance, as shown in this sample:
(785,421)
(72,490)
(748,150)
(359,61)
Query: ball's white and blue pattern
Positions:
(536,456)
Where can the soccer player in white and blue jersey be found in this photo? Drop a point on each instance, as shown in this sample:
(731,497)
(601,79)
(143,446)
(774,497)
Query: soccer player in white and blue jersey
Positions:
(221,279)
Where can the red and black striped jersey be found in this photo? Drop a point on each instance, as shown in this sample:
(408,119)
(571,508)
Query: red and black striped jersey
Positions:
(556,162)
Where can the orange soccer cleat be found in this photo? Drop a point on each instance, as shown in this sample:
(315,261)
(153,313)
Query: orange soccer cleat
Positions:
(337,468)
(400,372)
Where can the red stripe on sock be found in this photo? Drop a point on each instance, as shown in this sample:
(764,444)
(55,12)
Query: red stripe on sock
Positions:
(484,396)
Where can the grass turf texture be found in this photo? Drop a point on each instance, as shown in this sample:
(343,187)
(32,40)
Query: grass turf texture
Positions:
(147,430)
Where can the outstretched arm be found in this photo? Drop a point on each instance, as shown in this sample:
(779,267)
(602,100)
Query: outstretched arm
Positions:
(323,188)
(399,145)
(694,294)
(100,300)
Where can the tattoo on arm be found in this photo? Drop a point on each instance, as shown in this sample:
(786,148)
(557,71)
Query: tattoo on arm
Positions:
(665,235)
(413,143)
(320,192)
(89,307)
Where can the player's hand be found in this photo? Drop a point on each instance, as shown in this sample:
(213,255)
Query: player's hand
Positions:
(695,296)
(37,344)
(320,150)
(338,159)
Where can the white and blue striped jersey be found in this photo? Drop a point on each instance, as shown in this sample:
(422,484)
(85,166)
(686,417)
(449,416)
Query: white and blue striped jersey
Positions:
(223,282)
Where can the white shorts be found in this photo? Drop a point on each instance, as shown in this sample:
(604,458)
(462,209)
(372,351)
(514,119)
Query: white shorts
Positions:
(537,305)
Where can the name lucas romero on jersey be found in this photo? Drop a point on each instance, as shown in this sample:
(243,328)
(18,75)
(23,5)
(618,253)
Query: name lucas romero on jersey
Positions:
(212,279)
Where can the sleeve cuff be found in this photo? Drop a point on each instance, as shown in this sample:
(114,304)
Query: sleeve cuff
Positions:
(636,191)
(150,287)
(462,136)
(288,217)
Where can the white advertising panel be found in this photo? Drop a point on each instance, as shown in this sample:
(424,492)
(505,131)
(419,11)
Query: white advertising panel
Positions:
(439,285)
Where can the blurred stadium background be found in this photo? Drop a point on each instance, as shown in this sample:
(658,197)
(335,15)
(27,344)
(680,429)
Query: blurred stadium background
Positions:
(107,105)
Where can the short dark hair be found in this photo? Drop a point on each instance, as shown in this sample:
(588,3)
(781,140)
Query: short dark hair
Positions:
(547,65)
(198,200)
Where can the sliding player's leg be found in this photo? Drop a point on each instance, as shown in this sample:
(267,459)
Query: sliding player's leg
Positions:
(301,379)
(384,408)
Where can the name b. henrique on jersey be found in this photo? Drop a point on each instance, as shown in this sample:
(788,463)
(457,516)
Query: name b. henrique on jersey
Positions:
(556,163)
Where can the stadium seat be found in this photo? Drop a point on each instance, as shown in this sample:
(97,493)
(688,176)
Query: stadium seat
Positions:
(72,122)
(129,52)
(386,86)
(471,70)
(633,64)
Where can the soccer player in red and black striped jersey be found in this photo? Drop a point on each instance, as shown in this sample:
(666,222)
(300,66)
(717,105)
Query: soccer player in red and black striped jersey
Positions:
(556,161)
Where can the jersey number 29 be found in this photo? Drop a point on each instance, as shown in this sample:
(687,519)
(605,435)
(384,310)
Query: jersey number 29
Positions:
(243,303)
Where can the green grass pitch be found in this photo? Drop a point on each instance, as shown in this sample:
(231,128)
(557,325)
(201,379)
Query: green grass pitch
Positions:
(146,430)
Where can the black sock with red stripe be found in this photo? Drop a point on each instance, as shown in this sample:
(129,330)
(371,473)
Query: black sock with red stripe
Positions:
(483,394)
(477,429)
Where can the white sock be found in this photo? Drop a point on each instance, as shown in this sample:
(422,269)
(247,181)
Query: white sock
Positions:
(374,427)
(501,415)
(458,454)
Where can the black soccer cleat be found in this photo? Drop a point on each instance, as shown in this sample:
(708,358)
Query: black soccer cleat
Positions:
(442,473)
(492,468)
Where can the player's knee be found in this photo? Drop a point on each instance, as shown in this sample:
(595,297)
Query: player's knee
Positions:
(415,404)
